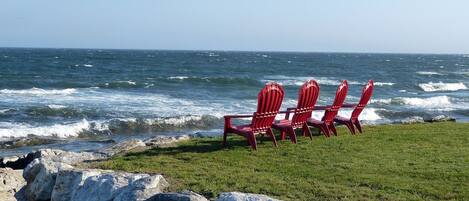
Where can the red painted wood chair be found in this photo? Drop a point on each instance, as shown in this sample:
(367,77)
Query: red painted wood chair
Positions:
(326,125)
(307,97)
(269,102)
(367,92)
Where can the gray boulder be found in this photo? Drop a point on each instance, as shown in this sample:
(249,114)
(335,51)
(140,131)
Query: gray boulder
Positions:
(237,196)
(440,118)
(69,180)
(40,176)
(119,187)
(20,162)
(11,184)
(122,147)
(159,141)
(184,196)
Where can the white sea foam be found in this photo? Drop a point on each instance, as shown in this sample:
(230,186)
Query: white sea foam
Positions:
(432,102)
(130,82)
(368,114)
(440,86)
(300,80)
(88,65)
(38,91)
(8,129)
(57,107)
(178,77)
(384,83)
(428,73)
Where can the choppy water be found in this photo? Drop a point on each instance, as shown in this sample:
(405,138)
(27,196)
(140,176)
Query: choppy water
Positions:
(71,92)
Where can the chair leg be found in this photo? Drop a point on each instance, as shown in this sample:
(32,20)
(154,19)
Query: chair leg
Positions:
(307,132)
(350,127)
(271,134)
(252,141)
(325,130)
(225,134)
(292,135)
(282,135)
(332,128)
(359,127)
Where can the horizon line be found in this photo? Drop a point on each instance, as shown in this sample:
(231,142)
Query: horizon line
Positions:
(220,50)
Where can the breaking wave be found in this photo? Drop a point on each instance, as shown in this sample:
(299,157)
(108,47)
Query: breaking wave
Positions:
(113,126)
(298,81)
(440,86)
(428,73)
(431,102)
(38,91)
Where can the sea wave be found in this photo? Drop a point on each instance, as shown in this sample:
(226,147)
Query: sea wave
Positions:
(368,114)
(440,86)
(431,102)
(300,80)
(38,91)
(384,83)
(428,73)
(112,126)
(16,130)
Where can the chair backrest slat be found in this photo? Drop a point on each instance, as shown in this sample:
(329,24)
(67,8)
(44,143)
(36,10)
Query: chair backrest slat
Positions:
(269,101)
(367,92)
(307,97)
(339,99)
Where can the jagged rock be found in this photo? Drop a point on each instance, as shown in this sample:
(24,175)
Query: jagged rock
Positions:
(237,196)
(412,120)
(20,162)
(40,176)
(11,184)
(122,147)
(165,140)
(143,188)
(184,196)
(119,187)
(440,118)
(69,180)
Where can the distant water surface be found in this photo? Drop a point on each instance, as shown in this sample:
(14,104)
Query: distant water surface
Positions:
(73,92)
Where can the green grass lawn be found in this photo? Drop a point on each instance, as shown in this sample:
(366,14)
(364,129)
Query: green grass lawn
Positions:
(388,162)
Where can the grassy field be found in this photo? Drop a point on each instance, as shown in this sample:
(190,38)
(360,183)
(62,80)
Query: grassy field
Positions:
(388,162)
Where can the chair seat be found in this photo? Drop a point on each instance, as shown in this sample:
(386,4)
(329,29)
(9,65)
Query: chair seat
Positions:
(284,123)
(243,128)
(314,121)
(341,118)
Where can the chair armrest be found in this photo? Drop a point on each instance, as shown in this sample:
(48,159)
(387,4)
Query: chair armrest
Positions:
(321,107)
(229,117)
(349,105)
(238,116)
(287,112)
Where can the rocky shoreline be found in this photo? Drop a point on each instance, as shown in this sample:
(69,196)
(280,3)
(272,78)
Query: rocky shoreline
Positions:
(56,175)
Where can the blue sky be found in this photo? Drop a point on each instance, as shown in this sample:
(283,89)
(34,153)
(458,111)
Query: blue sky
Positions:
(414,26)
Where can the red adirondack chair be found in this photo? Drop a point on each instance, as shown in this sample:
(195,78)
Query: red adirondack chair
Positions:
(269,102)
(326,125)
(367,92)
(307,97)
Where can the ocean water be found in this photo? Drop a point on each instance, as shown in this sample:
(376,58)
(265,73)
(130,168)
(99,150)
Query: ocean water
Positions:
(68,93)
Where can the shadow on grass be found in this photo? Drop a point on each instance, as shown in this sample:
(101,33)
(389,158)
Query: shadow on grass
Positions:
(203,145)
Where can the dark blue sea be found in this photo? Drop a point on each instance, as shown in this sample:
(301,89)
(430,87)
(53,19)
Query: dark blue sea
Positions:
(78,95)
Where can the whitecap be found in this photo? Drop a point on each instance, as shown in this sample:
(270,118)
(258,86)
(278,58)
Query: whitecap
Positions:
(57,107)
(39,91)
(432,102)
(428,73)
(8,130)
(300,80)
(384,83)
(440,86)
(178,77)
(88,65)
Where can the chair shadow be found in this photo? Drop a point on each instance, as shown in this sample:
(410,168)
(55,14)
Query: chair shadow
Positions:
(202,145)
